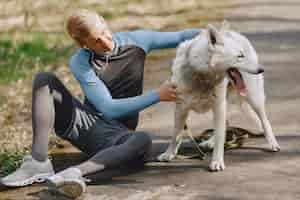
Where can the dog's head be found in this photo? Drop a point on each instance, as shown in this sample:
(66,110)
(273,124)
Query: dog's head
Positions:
(228,54)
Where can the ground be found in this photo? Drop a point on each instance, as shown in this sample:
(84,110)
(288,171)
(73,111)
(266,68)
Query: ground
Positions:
(252,172)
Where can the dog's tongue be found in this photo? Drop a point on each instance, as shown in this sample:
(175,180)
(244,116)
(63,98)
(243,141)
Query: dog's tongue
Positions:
(241,88)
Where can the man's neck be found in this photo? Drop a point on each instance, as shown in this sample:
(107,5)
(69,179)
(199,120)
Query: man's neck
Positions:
(108,53)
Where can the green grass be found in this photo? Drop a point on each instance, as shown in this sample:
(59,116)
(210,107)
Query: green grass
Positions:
(9,162)
(30,51)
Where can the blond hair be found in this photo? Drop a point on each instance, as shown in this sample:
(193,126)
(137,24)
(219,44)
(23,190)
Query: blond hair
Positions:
(82,23)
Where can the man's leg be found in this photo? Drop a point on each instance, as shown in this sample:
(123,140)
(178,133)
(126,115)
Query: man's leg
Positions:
(50,102)
(108,142)
(51,107)
(131,147)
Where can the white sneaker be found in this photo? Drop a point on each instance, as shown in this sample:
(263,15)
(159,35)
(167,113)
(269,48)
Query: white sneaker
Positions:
(69,182)
(31,171)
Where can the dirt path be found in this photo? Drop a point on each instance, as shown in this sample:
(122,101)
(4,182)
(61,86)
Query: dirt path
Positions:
(252,173)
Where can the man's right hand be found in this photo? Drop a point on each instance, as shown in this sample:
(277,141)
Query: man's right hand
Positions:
(167,91)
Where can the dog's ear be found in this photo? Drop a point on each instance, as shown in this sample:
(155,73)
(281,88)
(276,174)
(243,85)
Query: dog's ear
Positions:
(225,26)
(214,36)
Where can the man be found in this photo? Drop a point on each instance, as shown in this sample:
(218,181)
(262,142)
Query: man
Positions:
(109,68)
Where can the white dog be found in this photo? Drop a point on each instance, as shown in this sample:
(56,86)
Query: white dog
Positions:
(202,70)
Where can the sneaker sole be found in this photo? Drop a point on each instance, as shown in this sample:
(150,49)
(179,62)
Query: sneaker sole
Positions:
(72,188)
(34,179)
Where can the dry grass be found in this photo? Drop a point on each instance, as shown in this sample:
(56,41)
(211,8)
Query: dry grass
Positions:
(49,16)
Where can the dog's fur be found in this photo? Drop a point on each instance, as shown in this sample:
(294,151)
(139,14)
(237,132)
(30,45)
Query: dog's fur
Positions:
(201,73)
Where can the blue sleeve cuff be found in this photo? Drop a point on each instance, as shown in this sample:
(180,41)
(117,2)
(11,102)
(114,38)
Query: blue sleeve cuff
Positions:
(154,96)
(190,33)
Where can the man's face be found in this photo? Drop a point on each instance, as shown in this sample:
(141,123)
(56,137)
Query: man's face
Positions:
(99,40)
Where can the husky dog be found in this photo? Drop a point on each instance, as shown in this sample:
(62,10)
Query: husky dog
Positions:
(203,69)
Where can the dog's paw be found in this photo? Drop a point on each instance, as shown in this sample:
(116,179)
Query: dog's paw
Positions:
(273,144)
(217,165)
(166,157)
(275,147)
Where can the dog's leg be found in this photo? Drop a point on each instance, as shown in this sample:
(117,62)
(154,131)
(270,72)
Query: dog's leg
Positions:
(181,114)
(256,99)
(219,115)
(258,106)
(251,114)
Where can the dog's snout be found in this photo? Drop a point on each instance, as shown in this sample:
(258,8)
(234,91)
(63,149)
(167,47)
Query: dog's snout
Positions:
(260,70)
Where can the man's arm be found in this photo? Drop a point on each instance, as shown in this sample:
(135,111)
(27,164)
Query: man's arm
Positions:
(151,40)
(98,94)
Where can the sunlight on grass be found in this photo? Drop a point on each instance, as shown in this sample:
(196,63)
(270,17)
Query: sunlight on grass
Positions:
(30,51)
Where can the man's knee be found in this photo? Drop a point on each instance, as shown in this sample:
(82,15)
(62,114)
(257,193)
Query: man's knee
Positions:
(144,144)
(144,139)
(43,78)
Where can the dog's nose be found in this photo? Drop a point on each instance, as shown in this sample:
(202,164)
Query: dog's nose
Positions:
(259,71)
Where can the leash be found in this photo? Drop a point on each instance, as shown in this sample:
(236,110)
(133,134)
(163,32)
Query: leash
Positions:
(189,133)
(235,140)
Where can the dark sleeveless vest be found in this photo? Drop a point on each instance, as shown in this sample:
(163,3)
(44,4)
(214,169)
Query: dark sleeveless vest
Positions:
(122,72)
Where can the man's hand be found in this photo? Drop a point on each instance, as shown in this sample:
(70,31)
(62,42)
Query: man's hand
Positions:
(167,92)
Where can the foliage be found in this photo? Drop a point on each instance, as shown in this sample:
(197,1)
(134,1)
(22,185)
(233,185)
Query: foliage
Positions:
(33,51)
(9,161)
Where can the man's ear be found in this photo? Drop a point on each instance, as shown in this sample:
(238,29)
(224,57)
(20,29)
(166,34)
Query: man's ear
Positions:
(214,36)
(225,26)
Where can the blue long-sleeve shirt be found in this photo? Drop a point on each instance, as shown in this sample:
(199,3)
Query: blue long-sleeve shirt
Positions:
(95,90)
